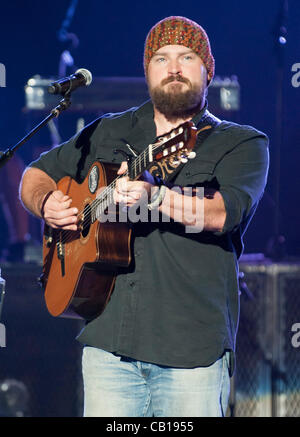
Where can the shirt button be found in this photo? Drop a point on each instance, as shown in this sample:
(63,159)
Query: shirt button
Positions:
(188,173)
(131,283)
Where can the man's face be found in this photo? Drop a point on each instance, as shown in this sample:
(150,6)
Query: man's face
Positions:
(177,81)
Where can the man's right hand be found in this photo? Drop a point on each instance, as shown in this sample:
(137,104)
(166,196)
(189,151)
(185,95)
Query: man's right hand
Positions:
(58,213)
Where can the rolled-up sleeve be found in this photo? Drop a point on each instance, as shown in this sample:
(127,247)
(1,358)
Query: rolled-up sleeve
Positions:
(242,177)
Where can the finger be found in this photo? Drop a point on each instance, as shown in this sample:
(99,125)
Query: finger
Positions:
(122,185)
(121,198)
(66,204)
(57,200)
(63,222)
(118,197)
(61,198)
(60,214)
(57,205)
(123,168)
(58,195)
(134,195)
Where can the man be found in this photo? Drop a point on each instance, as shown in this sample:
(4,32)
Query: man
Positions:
(164,345)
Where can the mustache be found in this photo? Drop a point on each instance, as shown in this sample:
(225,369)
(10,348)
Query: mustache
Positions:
(176,77)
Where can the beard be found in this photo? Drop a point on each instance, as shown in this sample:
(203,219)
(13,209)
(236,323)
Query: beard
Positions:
(175,104)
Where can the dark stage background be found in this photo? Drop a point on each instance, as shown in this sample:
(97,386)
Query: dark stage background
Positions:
(244,40)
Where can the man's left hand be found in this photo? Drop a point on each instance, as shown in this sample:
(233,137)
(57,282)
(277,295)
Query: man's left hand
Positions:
(130,192)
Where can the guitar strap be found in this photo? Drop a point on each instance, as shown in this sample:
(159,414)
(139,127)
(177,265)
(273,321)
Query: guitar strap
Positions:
(205,126)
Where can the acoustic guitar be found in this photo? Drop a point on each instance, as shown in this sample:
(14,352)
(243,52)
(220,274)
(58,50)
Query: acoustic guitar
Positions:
(80,267)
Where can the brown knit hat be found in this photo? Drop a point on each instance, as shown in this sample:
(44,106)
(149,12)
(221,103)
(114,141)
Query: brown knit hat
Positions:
(182,31)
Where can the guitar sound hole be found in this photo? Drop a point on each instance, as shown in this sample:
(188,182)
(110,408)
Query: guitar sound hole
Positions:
(86,224)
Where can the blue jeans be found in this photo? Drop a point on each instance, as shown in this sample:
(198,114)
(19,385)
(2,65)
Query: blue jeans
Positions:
(123,387)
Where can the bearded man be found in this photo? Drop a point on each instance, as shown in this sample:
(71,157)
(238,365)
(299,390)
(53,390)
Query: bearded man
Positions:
(165,343)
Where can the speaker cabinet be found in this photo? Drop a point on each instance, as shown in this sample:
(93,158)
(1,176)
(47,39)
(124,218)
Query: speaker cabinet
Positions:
(40,372)
(267,377)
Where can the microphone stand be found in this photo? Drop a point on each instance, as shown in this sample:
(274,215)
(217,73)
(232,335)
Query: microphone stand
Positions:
(5,156)
(66,59)
(55,112)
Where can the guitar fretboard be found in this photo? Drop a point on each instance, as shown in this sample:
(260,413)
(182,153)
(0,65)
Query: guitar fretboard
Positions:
(135,168)
(177,139)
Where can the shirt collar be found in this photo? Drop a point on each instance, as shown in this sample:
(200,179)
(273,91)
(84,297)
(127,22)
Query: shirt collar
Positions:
(144,115)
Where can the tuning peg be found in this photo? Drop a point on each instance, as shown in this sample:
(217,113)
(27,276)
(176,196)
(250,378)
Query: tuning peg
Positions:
(192,155)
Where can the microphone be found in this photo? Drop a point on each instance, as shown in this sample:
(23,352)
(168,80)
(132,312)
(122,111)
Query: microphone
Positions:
(81,77)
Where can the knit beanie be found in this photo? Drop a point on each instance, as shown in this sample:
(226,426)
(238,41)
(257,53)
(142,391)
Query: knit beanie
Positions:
(182,31)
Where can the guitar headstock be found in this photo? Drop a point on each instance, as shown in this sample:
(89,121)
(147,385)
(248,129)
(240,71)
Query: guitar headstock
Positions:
(177,144)
(168,151)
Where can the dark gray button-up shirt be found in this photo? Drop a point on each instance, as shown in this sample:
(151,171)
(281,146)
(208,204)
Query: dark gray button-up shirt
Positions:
(177,304)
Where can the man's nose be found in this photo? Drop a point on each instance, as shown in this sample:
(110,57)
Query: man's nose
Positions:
(174,67)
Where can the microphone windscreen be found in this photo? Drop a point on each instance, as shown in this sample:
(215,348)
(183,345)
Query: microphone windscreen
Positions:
(86,74)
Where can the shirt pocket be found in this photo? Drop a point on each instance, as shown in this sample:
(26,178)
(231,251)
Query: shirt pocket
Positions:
(196,173)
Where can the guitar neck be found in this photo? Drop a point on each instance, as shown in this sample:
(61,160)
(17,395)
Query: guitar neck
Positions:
(135,169)
(139,164)
(179,141)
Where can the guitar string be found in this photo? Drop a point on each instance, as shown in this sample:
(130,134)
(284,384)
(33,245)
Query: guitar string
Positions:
(68,235)
(105,194)
(136,163)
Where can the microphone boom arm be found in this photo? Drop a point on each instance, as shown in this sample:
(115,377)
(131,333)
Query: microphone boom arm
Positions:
(55,112)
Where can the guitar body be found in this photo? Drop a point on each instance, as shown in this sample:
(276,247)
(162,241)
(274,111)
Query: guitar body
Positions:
(80,267)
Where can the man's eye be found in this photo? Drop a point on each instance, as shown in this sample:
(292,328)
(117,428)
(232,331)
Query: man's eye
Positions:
(161,59)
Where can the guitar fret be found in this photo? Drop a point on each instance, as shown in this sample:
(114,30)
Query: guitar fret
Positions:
(150,153)
(93,213)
